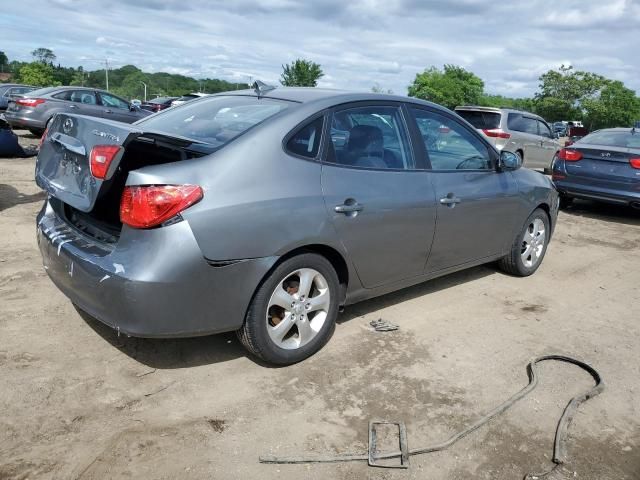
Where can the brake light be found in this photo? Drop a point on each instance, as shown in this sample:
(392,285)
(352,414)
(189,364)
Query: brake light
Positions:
(569,155)
(44,135)
(29,102)
(146,206)
(635,162)
(496,133)
(100,159)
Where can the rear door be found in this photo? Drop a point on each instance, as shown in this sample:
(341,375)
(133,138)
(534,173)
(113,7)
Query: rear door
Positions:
(379,199)
(476,205)
(62,166)
(83,102)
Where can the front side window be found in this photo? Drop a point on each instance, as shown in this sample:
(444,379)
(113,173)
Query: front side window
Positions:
(370,137)
(83,96)
(544,129)
(215,120)
(114,102)
(306,141)
(450,146)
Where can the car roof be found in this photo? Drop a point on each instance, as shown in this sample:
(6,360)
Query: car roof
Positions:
(329,95)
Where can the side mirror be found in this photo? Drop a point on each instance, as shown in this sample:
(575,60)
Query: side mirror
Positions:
(508,161)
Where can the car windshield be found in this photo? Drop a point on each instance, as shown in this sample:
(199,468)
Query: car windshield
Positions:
(214,120)
(614,138)
(480,119)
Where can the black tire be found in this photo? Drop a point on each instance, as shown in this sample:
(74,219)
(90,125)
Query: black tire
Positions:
(513,262)
(565,201)
(254,335)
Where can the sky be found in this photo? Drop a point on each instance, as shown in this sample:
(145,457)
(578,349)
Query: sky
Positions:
(358,43)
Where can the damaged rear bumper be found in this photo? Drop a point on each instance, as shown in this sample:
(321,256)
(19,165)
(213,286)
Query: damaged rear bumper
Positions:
(152,283)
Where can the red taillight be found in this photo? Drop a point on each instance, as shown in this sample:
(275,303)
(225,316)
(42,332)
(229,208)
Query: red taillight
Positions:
(557,176)
(496,133)
(569,155)
(635,162)
(100,158)
(147,206)
(29,102)
(44,135)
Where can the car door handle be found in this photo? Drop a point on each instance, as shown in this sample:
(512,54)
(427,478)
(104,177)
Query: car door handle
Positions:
(108,111)
(73,106)
(450,200)
(349,207)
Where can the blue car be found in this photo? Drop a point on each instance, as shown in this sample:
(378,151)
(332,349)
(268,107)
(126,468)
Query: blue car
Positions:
(602,166)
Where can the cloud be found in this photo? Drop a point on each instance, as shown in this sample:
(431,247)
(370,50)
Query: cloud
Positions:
(359,43)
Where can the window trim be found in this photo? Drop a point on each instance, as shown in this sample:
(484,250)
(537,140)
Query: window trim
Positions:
(540,121)
(491,150)
(399,106)
(310,119)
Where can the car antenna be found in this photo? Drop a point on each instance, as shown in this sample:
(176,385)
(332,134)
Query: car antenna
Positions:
(261,88)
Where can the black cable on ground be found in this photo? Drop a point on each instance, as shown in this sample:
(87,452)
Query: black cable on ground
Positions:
(559,446)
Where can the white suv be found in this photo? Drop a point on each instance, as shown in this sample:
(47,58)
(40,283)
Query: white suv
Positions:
(522,133)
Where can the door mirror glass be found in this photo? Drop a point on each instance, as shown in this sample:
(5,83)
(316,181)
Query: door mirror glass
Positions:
(508,161)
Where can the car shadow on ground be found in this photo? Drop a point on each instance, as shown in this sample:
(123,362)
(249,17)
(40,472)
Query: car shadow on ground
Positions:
(212,349)
(605,212)
(10,197)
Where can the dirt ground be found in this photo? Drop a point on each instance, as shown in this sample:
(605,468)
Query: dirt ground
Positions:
(78,402)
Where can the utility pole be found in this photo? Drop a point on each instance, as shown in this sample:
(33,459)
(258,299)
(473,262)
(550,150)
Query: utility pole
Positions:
(145,90)
(106,72)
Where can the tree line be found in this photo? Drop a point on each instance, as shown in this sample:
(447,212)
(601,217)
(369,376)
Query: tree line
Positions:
(563,93)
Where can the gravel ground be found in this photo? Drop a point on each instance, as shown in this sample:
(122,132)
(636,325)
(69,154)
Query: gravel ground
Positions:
(79,402)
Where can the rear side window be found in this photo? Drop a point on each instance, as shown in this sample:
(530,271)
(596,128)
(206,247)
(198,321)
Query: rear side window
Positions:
(62,95)
(481,120)
(215,120)
(83,96)
(306,141)
(370,137)
(520,123)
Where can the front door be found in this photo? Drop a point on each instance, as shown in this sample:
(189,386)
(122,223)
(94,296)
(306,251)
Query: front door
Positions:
(115,108)
(381,203)
(477,206)
(549,146)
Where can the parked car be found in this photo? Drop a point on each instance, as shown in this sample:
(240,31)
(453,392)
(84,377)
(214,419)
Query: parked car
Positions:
(35,109)
(8,90)
(187,98)
(158,104)
(241,211)
(525,134)
(602,166)
(560,129)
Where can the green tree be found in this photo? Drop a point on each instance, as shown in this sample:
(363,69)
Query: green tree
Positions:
(43,55)
(378,89)
(37,74)
(4,61)
(615,106)
(563,91)
(450,87)
(301,73)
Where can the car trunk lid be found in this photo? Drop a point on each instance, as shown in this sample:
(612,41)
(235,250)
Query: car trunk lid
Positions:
(63,165)
(604,164)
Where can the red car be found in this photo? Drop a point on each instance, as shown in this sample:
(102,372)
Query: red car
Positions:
(158,104)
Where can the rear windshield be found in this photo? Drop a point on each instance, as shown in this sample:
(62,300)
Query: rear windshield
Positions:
(480,119)
(613,138)
(214,120)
